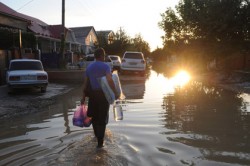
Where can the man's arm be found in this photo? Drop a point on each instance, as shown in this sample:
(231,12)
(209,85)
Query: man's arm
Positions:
(85,81)
(111,84)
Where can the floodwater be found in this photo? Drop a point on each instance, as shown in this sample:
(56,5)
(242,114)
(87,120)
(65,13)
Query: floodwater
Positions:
(165,122)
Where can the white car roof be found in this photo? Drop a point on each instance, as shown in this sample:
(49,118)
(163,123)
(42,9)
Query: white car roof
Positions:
(113,55)
(133,52)
(20,60)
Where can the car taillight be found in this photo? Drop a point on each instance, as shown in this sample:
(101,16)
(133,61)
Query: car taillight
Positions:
(14,78)
(143,61)
(44,77)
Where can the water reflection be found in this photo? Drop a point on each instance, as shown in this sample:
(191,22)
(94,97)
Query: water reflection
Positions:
(133,87)
(213,118)
(164,124)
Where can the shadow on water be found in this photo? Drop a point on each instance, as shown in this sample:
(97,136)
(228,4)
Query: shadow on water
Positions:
(49,138)
(84,152)
(214,120)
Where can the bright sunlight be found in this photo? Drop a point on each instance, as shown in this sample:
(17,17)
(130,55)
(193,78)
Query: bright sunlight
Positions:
(164,85)
(181,78)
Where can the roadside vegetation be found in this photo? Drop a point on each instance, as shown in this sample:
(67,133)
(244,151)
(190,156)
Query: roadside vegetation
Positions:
(200,31)
(196,32)
(10,39)
(124,42)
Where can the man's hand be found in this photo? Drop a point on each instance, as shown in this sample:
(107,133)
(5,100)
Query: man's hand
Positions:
(82,101)
(117,96)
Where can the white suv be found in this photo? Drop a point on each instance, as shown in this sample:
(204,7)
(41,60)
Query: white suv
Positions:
(133,62)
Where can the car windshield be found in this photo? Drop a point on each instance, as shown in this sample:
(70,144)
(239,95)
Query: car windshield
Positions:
(133,55)
(26,65)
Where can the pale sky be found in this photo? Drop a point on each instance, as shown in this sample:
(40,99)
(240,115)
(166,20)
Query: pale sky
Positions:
(134,16)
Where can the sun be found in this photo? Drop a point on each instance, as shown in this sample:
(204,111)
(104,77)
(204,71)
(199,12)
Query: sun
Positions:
(181,78)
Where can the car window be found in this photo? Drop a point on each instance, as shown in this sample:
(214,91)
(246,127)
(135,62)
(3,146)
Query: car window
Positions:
(107,59)
(90,58)
(114,58)
(26,65)
(133,55)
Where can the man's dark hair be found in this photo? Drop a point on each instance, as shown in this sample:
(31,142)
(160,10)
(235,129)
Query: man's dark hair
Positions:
(99,52)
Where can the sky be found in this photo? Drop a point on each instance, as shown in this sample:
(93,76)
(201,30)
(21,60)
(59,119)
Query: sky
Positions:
(133,16)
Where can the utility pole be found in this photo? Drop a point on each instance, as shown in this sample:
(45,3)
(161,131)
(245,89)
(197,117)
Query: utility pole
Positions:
(63,32)
(20,43)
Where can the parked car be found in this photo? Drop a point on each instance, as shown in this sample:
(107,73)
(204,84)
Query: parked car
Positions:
(116,60)
(26,73)
(109,62)
(91,58)
(88,59)
(133,62)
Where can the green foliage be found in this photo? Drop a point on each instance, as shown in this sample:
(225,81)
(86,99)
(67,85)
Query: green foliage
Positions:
(206,29)
(10,39)
(140,45)
(28,40)
(215,20)
(160,55)
(122,42)
(7,39)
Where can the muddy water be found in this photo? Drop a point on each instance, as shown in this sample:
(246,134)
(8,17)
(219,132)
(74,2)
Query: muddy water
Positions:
(164,124)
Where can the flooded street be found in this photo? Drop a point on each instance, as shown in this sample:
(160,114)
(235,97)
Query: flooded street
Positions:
(166,122)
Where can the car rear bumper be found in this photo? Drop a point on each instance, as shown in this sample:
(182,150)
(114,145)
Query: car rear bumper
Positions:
(116,67)
(27,85)
(132,68)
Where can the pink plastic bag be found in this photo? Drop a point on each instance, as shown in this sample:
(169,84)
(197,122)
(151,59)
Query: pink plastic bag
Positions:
(80,117)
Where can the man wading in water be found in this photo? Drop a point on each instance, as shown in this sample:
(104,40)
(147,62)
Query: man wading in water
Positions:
(98,106)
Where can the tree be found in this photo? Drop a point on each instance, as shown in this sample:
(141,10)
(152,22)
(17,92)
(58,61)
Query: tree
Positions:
(139,44)
(123,42)
(215,20)
(207,28)
(10,39)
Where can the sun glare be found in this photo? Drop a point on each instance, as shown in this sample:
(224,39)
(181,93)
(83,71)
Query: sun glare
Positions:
(165,85)
(181,78)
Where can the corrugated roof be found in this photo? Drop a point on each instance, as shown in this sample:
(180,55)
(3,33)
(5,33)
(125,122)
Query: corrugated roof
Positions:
(56,31)
(4,9)
(40,28)
(37,26)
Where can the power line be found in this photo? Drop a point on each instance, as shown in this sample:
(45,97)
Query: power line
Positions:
(87,7)
(24,5)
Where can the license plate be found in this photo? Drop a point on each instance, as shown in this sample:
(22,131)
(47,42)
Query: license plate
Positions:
(28,77)
(132,63)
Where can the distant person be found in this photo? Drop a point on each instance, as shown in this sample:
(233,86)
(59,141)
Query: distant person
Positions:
(98,106)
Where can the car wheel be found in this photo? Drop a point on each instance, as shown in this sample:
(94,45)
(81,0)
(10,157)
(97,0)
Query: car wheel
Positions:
(43,89)
(10,90)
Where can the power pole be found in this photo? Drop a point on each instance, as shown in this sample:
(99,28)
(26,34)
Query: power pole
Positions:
(20,43)
(63,31)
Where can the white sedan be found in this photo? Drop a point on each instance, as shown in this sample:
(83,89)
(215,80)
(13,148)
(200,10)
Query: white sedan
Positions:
(116,60)
(26,73)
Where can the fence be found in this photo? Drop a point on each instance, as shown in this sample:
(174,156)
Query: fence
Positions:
(50,60)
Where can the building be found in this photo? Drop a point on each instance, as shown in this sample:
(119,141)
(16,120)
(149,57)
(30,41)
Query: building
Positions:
(106,37)
(87,37)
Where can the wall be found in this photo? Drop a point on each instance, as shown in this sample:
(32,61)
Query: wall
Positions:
(66,76)
(3,66)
